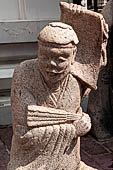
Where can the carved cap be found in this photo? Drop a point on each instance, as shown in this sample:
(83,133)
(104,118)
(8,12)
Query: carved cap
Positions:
(58,33)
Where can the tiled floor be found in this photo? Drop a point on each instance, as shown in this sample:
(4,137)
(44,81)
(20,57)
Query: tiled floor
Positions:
(97,154)
(93,153)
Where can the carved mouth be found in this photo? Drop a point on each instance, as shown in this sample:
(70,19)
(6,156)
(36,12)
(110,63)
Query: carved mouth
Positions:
(52,74)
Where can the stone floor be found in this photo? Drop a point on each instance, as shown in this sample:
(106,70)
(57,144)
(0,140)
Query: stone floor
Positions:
(96,154)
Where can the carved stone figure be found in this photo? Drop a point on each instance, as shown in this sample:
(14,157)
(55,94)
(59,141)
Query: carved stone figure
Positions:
(47,92)
(45,98)
(100,105)
(93,33)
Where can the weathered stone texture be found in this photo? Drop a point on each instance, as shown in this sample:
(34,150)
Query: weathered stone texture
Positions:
(46,95)
(91,56)
(92,33)
(100,104)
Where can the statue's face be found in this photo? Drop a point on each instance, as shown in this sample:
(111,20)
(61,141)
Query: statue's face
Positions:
(54,63)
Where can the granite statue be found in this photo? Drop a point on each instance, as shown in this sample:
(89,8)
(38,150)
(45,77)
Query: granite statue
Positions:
(100,105)
(45,99)
(92,31)
(46,93)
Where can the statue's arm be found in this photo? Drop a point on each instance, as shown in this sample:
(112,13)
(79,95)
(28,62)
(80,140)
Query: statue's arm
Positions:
(21,97)
(39,116)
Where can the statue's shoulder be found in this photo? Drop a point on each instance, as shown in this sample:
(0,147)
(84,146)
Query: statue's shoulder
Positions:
(79,84)
(25,71)
(73,78)
(74,81)
(26,66)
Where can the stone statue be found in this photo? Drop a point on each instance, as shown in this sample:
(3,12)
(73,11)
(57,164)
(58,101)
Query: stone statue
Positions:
(100,105)
(47,92)
(93,34)
(46,112)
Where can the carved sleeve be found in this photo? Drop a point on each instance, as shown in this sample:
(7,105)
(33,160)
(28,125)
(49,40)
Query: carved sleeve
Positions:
(44,116)
(39,116)
(20,99)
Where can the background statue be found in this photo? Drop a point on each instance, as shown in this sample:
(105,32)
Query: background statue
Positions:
(100,105)
(93,33)
(46,95)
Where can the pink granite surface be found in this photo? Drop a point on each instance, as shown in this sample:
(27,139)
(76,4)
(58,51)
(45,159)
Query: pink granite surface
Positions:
(96,154)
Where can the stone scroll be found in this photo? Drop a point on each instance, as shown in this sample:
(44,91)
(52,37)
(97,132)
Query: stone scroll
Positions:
(92,33)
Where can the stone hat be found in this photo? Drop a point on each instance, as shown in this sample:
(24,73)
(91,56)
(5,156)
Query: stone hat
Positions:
(58,34)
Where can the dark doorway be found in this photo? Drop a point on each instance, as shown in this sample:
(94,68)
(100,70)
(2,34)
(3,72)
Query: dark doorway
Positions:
(95,5)
(78,2)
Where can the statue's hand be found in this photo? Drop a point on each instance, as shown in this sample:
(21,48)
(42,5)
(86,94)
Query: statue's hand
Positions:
(23,137)
(83,125)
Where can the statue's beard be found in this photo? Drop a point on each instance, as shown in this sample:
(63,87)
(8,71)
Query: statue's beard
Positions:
(54,76)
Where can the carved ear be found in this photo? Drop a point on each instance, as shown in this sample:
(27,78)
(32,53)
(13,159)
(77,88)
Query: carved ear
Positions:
(90,28)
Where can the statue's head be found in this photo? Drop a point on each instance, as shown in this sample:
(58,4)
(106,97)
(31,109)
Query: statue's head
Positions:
(56,50)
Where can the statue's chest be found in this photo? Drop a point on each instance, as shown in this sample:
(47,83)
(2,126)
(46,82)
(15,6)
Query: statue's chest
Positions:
(70,100)
(67,98)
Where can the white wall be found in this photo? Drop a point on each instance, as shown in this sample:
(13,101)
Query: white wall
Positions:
(22,20)
(8,9)
(42,9)
(30,9)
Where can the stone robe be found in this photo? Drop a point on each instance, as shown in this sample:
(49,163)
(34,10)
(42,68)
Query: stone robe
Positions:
(55,147)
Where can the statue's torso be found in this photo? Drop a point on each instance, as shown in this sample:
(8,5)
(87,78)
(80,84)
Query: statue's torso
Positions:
(58,136)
